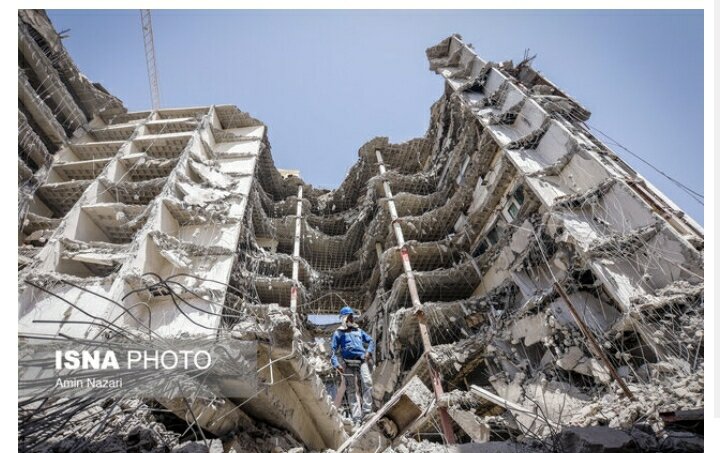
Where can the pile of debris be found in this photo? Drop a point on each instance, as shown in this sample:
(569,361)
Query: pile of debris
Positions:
(133,425)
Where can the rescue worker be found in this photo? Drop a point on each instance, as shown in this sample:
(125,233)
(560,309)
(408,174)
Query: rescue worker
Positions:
(356,358)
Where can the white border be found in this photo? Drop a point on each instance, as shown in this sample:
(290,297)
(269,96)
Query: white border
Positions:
(8,174)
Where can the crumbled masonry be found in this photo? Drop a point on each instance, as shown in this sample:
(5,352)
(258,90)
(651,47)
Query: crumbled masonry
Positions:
(507,196)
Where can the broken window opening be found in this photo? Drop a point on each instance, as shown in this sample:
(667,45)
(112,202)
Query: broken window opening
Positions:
(513,205)
(490,239)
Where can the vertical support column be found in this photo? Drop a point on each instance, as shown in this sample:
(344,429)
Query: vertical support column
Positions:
(445,423)
(296,254)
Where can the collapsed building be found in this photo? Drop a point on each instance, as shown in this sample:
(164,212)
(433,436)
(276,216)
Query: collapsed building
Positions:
(519,278)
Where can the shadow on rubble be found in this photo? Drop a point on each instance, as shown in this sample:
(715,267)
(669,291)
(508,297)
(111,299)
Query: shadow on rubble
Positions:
(593,439)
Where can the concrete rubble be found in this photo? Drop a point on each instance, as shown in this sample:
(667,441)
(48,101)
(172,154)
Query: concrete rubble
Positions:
(529,240)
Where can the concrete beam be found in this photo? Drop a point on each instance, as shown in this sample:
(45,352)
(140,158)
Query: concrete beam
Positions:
(478,431)
(24,172)
(40,112)
(296,400)
(50,79)
(31,143)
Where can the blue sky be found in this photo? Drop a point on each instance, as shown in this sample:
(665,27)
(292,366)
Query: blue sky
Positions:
(325,82)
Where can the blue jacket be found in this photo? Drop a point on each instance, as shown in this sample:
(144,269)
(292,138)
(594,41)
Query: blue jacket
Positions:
(351,343)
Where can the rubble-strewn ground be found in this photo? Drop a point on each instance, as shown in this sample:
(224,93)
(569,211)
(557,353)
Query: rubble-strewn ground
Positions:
(132,425)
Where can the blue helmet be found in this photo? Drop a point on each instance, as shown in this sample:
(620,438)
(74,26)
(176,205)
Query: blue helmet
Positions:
(346,311)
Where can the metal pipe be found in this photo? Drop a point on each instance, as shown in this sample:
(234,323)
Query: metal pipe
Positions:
(595,347)
(296,254)
(445,423)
